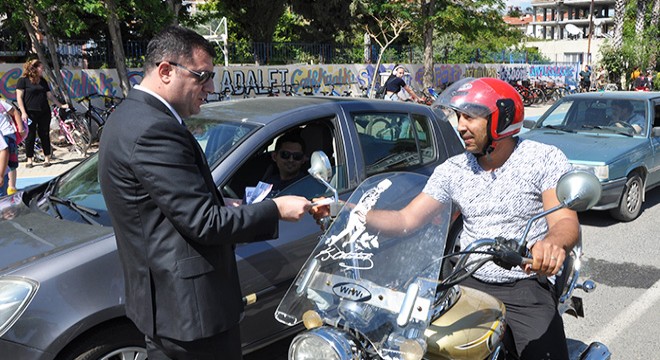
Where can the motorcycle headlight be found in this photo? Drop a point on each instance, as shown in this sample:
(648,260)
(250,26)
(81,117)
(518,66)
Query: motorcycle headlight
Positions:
(602,172)
(321,343)
(15,295)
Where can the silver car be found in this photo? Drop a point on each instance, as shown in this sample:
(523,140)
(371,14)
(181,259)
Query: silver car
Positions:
(61,283)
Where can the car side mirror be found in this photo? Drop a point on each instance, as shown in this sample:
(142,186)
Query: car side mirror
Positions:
(579,190)
(529,124)
(655,131)
(320,167)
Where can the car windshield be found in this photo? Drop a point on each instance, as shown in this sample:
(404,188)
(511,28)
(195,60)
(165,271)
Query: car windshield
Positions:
(217,139)
(602,116)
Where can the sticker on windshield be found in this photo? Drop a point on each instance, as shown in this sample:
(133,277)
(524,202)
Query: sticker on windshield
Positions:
(354,244)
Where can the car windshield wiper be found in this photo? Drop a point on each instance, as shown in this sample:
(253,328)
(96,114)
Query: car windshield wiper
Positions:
(560,128)
(609,128)
(84,212)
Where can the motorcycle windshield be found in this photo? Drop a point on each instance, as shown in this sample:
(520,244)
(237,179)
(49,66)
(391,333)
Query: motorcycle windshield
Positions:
(378,284)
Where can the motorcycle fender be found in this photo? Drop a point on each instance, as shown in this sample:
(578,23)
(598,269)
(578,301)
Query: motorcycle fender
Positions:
(471,329)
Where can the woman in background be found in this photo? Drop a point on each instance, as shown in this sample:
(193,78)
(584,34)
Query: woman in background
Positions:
(395,83)
(33,93)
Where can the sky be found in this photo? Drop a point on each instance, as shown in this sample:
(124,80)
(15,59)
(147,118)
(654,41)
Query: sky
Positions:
(522,4)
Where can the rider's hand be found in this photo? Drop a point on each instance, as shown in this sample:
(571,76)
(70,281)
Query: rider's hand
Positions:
(64,106)
(318,212)
(547,257)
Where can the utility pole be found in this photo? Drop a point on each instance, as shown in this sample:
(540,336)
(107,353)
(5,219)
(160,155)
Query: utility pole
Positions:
(591,25)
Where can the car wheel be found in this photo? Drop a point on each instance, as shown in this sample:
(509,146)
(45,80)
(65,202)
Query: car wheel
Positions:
(631,200)
(116,342)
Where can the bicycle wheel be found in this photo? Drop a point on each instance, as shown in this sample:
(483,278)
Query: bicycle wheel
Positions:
(80,136)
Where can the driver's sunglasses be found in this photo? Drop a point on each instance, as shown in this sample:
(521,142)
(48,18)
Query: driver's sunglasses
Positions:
(287,154)
(202,76)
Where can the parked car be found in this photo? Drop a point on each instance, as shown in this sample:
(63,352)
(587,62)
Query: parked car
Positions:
(625,158)
(61,283)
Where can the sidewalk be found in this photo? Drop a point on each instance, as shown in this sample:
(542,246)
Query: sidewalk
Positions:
(63,160)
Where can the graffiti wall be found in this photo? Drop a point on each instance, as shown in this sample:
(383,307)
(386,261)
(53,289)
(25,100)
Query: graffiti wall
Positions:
(250,81)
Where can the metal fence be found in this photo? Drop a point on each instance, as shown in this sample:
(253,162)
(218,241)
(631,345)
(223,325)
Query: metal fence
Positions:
(98,54)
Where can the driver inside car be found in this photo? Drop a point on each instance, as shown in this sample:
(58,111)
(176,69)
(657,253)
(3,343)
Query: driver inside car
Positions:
(624,116)
(498,183)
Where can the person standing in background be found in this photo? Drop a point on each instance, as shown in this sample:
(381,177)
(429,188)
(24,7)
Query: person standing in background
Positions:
(8,117)
(4,159)
(32,94)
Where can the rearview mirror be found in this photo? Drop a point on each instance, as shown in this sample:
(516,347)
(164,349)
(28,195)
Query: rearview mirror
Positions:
(579,190)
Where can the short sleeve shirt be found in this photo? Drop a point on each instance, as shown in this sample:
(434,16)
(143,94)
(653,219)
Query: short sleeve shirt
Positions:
(499,203)
(639,120)
(35,95)
(6,122)
(395,85)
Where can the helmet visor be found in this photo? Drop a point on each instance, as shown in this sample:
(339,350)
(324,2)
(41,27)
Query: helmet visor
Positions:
(469,96)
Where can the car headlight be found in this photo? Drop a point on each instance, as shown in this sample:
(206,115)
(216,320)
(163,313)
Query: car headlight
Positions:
(15,295)
(602,172)
(321,343)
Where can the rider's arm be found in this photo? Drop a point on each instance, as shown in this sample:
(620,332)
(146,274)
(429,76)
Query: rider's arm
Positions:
(563,232)
(412,93)
(417,213)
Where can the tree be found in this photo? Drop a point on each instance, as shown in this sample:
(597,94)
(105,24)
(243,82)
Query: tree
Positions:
(639,19)
(117,45)
(384,21)
(250,17)
(619,16)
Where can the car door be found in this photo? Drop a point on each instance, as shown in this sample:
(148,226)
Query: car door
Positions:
(654,171)
(267,268)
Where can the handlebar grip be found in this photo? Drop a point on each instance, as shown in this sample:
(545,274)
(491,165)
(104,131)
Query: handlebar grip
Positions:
(526,261)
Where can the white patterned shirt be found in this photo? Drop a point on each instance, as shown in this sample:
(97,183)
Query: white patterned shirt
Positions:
(499,203)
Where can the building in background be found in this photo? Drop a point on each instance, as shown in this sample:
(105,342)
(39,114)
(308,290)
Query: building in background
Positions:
(563,29)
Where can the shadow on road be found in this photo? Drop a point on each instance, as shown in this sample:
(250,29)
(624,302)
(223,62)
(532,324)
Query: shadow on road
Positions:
(603,218)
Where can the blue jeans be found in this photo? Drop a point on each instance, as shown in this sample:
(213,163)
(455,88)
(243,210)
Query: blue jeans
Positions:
(3,188)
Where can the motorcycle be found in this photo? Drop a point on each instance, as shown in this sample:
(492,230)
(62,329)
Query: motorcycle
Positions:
(364,294)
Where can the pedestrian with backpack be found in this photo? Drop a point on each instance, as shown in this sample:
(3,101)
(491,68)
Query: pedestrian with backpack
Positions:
(395,83)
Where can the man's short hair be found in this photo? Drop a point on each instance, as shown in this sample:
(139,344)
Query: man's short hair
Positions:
(292,137)
(624,104)
(173,44)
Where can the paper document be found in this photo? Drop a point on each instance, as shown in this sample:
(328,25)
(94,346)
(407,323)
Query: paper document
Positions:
(257,193)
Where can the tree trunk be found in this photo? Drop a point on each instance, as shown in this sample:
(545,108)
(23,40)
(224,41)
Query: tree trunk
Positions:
(175,7)
(427,15)
(117,46)
(51,41)
(619,15)
(639,19)
(655,19)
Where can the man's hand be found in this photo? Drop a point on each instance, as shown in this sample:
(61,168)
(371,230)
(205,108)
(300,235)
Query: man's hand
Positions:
(292,208)
(547,258)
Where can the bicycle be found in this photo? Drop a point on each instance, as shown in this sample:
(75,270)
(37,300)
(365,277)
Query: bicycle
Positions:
(94,116)
(74,129)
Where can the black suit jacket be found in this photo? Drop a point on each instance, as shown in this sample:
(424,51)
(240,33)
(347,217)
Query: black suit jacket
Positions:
(175,239)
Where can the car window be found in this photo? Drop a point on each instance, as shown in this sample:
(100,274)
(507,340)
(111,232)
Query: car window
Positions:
(558,116)
(594,116)
(261,167)
(394,141)
(217,138)
(656,119)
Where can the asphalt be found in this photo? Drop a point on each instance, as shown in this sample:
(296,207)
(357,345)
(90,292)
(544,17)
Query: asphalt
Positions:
(64,159)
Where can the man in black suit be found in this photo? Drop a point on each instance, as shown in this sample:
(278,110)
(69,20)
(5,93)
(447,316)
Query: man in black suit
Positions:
(175,238)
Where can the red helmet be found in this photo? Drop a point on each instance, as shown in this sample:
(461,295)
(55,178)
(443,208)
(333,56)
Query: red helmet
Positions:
(488,98)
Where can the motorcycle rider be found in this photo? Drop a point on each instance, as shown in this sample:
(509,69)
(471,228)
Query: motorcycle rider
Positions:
(498,184)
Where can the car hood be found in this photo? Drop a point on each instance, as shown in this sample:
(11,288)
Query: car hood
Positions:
(29,234)
(587,147)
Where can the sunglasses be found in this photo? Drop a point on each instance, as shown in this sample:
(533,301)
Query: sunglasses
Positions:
(287,154)
(201,76)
